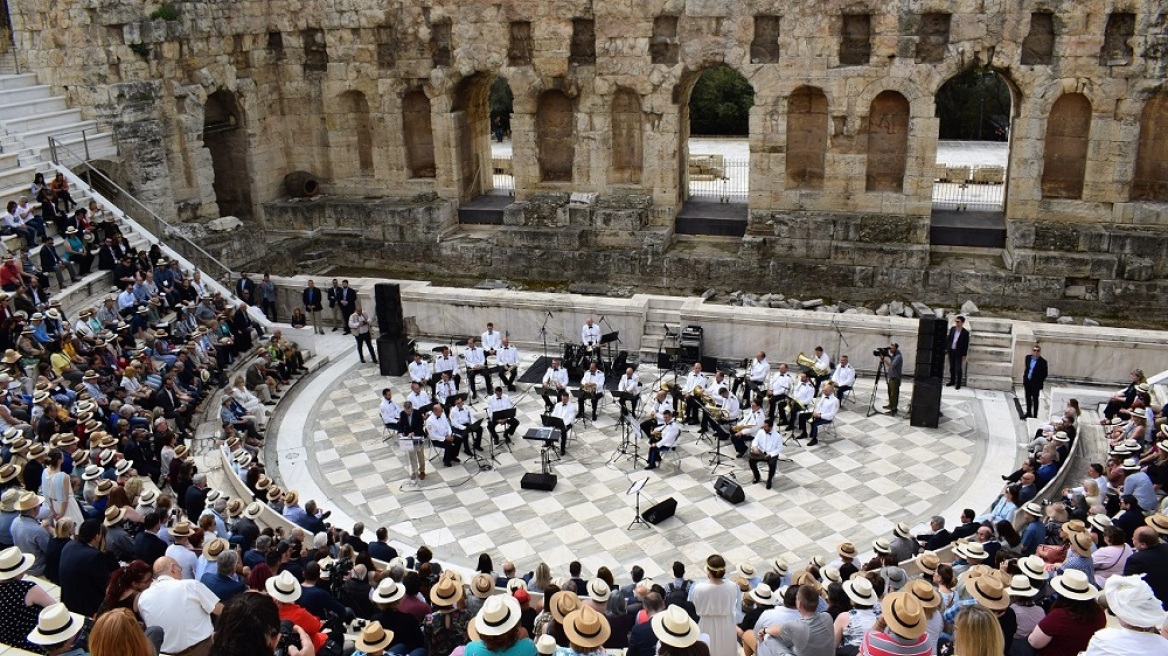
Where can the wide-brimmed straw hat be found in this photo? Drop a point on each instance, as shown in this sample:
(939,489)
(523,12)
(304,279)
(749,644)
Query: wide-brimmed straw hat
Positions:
(253,510)
(846,550)
(446,592)
(373,638)
(763,595)
(928,562)
(182,529)
(13,563)
(499,615)
(28,501)
(925,593)
(586,627)
(599,591)
(988,591)
(674,627)
(1033,509)
(1074,584)
(904,614)
(860,591)
(55,625)
(1020,587)
(1158,522)
(971,551)
(901,530)
(563,603)
(388,591)
(214,548)
(1033,567)
(114,515)
(9,472)
(1082,543)
(1099,522)
(482,585)
(283,587)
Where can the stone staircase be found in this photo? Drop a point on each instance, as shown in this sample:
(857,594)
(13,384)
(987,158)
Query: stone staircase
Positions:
(990,362)
(662,312)
(29,115)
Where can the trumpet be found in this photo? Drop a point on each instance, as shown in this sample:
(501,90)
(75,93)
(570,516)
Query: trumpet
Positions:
(810,363)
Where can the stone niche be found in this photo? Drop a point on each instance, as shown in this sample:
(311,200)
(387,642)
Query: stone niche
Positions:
(1038,46)
(887,142)
(1064,158)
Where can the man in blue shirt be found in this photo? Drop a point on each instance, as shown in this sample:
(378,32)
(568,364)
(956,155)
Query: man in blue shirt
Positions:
(223,581)
(1033,534)
(319,601)
(1046,470)
(1139,485)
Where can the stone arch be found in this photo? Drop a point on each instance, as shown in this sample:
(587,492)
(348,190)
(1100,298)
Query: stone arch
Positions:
(682,96)
(471,133)
(418,134)
(555,133)
(225,137)
(807,131)
(627,138)
(887,129)
(1151,176)
(351,136)
(1064,157)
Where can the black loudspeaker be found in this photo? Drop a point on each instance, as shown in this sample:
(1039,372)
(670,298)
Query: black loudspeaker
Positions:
(392,355)
(930,360)
(926,402)
(387,296)
(661,511)
(729,489)
(545,482)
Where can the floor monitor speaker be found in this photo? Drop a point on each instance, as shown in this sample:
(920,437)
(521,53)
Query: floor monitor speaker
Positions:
(729,489)
(661,511)
(545,482)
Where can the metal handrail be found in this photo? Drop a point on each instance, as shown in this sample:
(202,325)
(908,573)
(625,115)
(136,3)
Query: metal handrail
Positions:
(155,224)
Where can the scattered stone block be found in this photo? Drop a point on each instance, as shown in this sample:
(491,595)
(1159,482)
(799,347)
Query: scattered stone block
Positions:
(1052,313)
(1066,319)
(1090,322)
(813,303)
(224,224)
(709,293)
(969,309)
(908,313)
(921,308)
(883,310)
(896,308)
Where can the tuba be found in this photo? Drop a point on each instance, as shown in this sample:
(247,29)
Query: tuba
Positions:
(810,363)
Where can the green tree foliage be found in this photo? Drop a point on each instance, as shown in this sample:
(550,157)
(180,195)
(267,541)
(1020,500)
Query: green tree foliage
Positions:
(501,101)
(975,106)
(720,103)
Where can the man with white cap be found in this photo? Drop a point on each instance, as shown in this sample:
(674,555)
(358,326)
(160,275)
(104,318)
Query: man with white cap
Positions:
(285,590)
(29,534)
(182,608)
(1140,615)
(56,631)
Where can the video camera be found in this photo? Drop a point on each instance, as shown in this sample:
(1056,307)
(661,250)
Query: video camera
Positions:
(882,352)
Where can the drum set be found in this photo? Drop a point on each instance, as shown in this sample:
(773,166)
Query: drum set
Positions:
(579,357)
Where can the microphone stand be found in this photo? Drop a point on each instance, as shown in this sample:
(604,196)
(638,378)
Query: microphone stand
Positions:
(543,332)
(839,338)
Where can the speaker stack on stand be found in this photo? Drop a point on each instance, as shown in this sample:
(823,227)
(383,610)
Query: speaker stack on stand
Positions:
(392,346)
(929,372)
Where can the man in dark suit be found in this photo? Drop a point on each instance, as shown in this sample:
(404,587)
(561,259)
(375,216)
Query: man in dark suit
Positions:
(957,344)
(347,301)
(85,571)
(1151,557)
(411,424)
(313,305)
(334,296)
(195,500)
(1033,376)
(245,288)
(381,549)
(148,547)
(940,536)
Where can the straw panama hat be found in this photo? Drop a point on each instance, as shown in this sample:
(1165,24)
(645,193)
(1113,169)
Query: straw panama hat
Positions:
(446,593)
(903,614)
(988,591)
(674,627)
(762,594)
(860,591)
(283,587)
(564,603)
(387,592)
(13,563)
(586,627)
(482,585)
(373,638)
(598,591)
(499,615)
(1073,584)
(55,625)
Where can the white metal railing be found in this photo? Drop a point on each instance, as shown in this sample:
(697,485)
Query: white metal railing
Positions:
(502,176)
(964,188)
(714,176)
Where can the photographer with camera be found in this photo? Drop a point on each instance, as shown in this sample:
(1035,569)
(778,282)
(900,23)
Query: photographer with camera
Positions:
(250,626)
(319,600)
(893,366)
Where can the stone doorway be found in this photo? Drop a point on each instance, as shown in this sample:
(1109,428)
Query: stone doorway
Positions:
(225,136)
(481,114)
(974,111)
(714,152)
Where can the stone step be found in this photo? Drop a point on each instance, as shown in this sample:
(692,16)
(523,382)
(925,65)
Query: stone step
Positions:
(17,81)
(25,94)
(38,138)
(9,160)
(41,120)
(99,145)
(994,340)
(990,368)
(990,325)
(21,177)
(981,353)
(988,382)
(32,106)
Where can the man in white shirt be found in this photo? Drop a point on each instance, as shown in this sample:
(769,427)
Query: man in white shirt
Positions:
(822,363)
(748,427)
(729,409)
(565,412)
(591,388)
(476,365)
(181,608)
(590,334)
(442,435)
(360,327)
(777,394)
(418,397)
(629,384)
(715,387)
(657,408)
(492,341)
(498,403)
(449,363)
(444,390)
(180,551)
(462,421)
(756,376)
(824,413)
(801,399)
(555,379)
(767,447)
(668,440)
(420,371)
(695,381)
(508,358)
(844,377)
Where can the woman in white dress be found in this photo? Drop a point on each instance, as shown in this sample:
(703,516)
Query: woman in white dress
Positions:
(714,601)
(249,401)
(58,490)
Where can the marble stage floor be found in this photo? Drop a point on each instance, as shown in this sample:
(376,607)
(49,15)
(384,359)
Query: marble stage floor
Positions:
(875,472)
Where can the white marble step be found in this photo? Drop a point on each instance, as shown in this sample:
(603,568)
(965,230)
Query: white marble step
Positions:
(17,81)
(32,106)
(64,118)
(13,95)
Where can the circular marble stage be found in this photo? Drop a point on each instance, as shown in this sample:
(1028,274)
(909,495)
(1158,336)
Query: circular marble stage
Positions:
(875,472)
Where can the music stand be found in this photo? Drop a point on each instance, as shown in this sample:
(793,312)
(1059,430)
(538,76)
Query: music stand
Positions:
(550,421)
(577,394)
(450,400)
(509,413)
(484,464)
(636,488)
(717,458)
(548,435)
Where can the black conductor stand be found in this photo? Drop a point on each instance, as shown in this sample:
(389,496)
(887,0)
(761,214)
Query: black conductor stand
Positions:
(635,489)
(559,430)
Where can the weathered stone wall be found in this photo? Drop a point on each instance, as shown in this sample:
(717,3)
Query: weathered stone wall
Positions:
(842,133)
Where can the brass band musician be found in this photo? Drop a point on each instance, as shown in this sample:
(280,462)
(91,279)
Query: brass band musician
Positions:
(446,362)
(657,409)
(844,377)
(462,419)
(629,384)
(822,413)
(590,333)
(419,371)
(746,428)
(756,377)
(443,390)
(801,399)
(507,357)
(767,447)
(591,388)
(498,403)
(692,392)
(418,397)
(662,438)
(822,368)
(565,412)
(727,408)
(491,340)
(781,385)
(476,365)
(555,379)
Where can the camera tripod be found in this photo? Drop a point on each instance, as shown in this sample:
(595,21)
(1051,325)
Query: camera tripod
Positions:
(880,371)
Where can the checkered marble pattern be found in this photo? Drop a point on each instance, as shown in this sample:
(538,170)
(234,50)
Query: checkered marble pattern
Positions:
(854,486)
